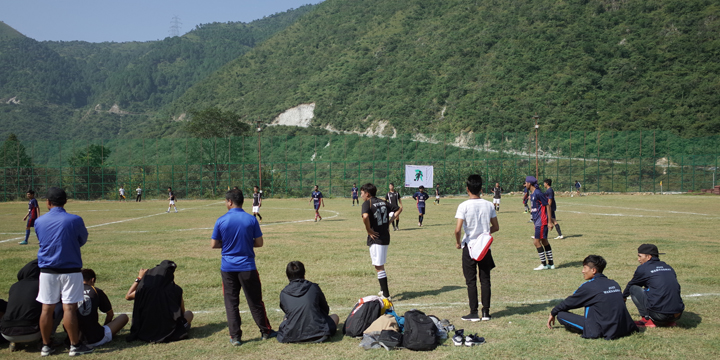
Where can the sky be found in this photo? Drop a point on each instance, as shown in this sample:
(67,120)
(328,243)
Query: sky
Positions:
(128,20)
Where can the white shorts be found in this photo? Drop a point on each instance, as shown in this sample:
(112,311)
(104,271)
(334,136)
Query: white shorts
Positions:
(56,287)
(172,202)
(496,201)
(378,254)
(256,209)
(106,339)
(437,196)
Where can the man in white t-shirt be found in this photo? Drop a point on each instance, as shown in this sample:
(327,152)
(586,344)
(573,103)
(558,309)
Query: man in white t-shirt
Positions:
(476,217)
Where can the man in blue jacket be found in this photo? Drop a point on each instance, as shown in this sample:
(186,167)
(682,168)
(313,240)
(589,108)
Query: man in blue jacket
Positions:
(306,310)
(655,290)
(605,313)
(60,236)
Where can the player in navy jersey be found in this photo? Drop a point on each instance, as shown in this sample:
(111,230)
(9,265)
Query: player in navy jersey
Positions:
(317,199)
(377,215)
(525,199)
(550,195)
(420,196)
(257,203)
(354,195)
(540,210)
(32,215)
(393,198)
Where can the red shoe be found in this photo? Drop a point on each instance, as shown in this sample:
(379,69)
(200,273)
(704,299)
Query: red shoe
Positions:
(648,323)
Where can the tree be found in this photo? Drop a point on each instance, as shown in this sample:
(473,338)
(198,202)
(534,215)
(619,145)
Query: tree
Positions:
(213,122)
(12,153)
(91,178)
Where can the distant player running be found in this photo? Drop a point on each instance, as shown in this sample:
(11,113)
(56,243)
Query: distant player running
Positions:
(171,198)
(32,215)
(139,194)
(437,194)
(497,194)
(393,198)
(354,195)
(317,199)
(420,196)
(540,210)
(550,195)
(257,203)
(577,187)
(122,194)
(376,215)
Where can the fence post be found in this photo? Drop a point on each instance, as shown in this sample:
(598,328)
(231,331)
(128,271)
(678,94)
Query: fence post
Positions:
(584,156)
(654,161)
(682,173)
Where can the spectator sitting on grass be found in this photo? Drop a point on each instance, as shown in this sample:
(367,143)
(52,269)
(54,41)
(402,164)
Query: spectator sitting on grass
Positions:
(90,330)
(21,321)
(306,310)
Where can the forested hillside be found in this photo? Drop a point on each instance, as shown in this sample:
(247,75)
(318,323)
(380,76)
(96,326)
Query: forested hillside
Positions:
(472,65)
(88,90)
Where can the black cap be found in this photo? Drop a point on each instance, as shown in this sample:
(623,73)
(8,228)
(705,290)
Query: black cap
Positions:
(649,249)
(57,196)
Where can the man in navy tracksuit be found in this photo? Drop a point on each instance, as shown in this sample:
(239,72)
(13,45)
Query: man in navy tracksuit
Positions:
(655,290)
(605,313)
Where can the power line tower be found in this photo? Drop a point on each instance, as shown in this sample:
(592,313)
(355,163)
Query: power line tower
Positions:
(175,26)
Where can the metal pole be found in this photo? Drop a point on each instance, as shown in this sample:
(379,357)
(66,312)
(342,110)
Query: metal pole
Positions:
(257,122)
(536,117)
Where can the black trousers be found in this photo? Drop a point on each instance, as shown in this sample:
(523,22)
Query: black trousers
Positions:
(639,297)
(138,198)
(249,282)
(572,322)
(471,268)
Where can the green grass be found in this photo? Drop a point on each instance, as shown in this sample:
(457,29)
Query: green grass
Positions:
(423,268)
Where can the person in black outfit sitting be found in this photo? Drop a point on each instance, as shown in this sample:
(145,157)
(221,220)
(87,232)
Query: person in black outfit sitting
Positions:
(306,310)
(21,319)
(655,290)
(605,313)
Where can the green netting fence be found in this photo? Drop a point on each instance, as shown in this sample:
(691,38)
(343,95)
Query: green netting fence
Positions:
(289,166)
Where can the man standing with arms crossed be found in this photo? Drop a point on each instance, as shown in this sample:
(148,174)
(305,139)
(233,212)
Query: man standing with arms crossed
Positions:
(476,216)
(60,236)
(237,233)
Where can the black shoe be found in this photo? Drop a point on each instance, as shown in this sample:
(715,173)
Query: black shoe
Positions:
(471,317)
(486,315)
(80,349)
(269,335)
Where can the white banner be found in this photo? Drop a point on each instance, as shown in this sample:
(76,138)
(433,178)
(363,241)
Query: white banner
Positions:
(416,175)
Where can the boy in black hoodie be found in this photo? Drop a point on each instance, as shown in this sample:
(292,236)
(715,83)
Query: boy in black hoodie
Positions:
(21,321)
(306,310)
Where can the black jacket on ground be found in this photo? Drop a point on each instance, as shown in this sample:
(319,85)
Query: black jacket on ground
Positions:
(22,316)
(605,312)
(306,313)
(661,285)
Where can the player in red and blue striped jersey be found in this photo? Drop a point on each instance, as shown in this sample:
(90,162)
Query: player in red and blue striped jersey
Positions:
(540,211)
(32,215)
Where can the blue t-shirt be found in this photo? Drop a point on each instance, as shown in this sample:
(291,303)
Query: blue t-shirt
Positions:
(354,191)
(421,197)
(538,208)
(316,196)
(33,208)
(550,195)
(60,236)
(237,231)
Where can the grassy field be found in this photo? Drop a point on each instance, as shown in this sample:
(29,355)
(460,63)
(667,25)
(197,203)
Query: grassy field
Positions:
(423,268)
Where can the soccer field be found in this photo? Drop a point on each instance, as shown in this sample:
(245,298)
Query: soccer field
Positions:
(423,269)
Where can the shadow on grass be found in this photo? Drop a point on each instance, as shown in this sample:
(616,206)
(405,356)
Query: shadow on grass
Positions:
(572,236)
(569,264)
(689,320)
(415,294)
(207,330)
(524,309)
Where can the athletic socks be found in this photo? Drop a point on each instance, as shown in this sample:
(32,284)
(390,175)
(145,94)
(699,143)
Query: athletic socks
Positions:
(541,254)
(548,251)
(259,216)
(557,227)
(27,235)
(421,218)
(382,279)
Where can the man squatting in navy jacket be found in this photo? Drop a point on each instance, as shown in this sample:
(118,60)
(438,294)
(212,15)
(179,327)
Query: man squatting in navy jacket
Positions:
(655,290)
(605,313)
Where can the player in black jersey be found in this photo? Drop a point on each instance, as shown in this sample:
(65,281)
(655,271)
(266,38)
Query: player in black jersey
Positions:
(377,215)
(257,203)
(497,194)
(171,198)
(393,197)
(437,194)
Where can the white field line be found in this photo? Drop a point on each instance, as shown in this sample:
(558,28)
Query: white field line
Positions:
(126,220)
(638,209)
(441,305)
(620,215)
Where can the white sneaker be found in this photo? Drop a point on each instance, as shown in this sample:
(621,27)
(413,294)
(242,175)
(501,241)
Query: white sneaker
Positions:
(559,237)
(542,267)
(550,267)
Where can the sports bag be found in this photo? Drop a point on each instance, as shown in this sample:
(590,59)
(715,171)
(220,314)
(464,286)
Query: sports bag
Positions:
(477,248)
(390,339)
(420,331)
(362,315)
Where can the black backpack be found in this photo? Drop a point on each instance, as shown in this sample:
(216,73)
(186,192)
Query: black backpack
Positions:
(360,318)
(420,331)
